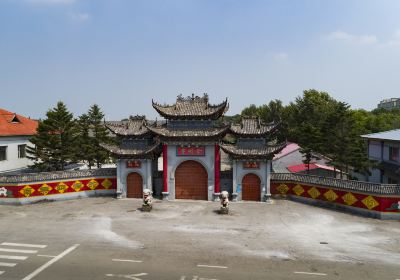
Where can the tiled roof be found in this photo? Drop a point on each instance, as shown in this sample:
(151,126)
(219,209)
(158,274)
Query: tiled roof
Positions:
(143,151)
(12,124)
(253,126)
(135,126)
(191,107)
(265,152)
(164,131)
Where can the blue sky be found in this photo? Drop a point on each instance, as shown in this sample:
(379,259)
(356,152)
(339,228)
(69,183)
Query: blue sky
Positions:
(122,53)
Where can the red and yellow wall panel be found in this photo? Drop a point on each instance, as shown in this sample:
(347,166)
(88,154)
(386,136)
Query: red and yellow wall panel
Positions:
(23,190)
(347,198)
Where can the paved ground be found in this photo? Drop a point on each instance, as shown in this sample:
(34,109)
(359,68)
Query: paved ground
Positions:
(105,238)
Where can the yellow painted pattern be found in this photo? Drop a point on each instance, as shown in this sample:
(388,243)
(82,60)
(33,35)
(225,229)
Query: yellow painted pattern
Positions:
(92,184)
(77,186)
(331,195)
(27,191)
(370,202)
(45,189)
(107,184)
(313,192)
(282,189)
(61,187)
(298,189)
(349,198)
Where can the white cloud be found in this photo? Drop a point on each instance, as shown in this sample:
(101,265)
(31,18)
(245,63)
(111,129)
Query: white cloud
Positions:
(346,37)
(395,40)
(81,17)
(51,2)
(280,56)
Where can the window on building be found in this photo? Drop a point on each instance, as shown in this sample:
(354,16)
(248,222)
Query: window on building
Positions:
(15,119)
(21,151)
(3,153)
(392,181)
(394,153)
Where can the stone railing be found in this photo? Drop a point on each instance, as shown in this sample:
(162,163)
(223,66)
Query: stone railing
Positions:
(58,175)
(348,185)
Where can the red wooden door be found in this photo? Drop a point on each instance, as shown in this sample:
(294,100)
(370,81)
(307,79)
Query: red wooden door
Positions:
(134,185)
(251,187)
(191,181)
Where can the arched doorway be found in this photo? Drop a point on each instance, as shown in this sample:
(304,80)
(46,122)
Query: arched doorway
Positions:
(191,181)
(251,187)
(134,185)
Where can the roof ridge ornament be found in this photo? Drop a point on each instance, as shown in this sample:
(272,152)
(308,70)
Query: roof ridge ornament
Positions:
(137,117)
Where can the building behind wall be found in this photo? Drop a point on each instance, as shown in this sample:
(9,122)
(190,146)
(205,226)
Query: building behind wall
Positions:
(383,148)
(15,132)
(290,160)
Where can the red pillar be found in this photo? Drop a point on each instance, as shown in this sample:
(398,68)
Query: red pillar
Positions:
(217,164)
(165,168)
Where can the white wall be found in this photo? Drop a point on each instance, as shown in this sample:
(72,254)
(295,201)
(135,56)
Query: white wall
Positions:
(13,162)
(374,150)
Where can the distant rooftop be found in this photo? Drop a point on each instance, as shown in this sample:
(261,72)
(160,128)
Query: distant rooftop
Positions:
(389,104)
(303,167)
(389,100)
(385,135)
(290,147)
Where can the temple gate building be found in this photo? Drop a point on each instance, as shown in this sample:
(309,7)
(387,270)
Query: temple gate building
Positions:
(135,155)
(190,141)
(251,157)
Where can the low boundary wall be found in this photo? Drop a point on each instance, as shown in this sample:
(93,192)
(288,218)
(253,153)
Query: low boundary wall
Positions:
(58,185)
(368,199)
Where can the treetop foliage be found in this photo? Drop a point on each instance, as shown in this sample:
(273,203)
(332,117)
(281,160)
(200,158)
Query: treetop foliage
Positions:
(62,140)
(321,124)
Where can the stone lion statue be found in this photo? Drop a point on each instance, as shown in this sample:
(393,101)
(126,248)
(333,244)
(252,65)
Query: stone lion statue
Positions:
(147,198)
(224,202)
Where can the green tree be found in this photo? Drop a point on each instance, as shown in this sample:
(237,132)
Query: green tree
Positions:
(306,122)
(53,142)
(99,135)
(84,150)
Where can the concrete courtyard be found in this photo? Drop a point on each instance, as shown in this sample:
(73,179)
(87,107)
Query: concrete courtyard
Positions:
(105,238)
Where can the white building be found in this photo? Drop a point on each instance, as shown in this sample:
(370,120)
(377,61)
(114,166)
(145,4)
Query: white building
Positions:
(383,148)
(15,132)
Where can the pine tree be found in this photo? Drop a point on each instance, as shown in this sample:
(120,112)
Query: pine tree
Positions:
(99,135)
(84,149)
(53,142)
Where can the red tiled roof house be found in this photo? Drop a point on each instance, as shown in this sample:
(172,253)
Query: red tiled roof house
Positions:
(15,132)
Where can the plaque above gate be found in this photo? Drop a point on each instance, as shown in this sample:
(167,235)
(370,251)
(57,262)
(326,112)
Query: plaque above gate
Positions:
(190,151)
(251,165)
(133,164)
